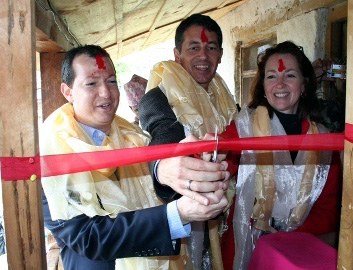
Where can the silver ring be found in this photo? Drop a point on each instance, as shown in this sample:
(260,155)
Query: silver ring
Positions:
(188,185)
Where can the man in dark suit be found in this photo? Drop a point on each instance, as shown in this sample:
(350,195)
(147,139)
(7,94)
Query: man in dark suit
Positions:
(188,97)
(107,214)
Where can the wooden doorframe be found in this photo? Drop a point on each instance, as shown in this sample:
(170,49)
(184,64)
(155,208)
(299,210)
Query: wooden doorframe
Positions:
(345,249)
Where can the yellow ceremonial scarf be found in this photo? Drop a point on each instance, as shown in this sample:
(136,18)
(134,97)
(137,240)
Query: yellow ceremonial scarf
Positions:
(197,109)
(119,189)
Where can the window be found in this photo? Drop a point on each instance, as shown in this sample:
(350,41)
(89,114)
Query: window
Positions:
(248,67)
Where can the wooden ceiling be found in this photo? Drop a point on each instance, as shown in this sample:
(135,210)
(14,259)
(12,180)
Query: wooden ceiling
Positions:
(120,26)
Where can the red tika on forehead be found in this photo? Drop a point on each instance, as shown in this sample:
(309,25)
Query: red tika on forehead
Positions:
(100,62)
(204,37)
(281,65)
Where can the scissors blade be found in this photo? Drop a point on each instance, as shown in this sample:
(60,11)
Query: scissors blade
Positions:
(214,155)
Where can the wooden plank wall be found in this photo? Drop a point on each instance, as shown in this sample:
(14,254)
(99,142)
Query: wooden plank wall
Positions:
(19,136)
(51,79)
(345,250)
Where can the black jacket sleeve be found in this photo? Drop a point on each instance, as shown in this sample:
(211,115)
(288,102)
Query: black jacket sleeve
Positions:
(131,234)
(159,120)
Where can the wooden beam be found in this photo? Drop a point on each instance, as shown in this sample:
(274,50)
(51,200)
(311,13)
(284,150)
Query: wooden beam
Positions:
(230,6)
(345,249)
(19,137)
(172,32)
(45,44)
(335,13)
(220,12)
(119,25)
(226,2)
(156,20)
(226,7)
(257,38)
(237,72)
(52,35)
(193,9)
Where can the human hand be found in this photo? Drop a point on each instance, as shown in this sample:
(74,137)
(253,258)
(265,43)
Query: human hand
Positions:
(321,66)
(207,156)
(191,210)
(192,177)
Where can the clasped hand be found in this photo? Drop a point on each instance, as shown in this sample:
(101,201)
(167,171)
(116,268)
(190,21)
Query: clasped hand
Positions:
(201,182)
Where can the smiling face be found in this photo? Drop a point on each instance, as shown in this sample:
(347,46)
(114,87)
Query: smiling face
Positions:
(283,83)
(200,54)
(94,93)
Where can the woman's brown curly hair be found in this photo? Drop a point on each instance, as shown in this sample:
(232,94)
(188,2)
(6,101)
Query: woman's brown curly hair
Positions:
(308,102)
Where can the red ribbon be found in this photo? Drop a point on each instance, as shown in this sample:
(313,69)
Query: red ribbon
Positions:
(22,168)
(348,132)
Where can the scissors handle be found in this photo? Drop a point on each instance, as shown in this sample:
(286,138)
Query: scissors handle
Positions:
(214,155)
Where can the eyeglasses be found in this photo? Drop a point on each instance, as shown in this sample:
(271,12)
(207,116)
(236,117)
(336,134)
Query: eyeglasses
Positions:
(301,48)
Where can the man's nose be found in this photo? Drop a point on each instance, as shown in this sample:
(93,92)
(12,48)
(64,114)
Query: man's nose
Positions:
(203,53)
(104,90)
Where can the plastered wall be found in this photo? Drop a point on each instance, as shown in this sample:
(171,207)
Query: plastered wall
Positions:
(307,30)
(282,18)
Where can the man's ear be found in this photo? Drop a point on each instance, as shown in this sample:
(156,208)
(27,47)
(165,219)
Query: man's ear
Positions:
(177,55)
(67,92)
(221,56)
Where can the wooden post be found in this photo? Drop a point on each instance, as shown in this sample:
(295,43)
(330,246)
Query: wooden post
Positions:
(345,250)
(19,136)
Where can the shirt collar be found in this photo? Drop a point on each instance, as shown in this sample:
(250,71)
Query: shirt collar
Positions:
(95,134)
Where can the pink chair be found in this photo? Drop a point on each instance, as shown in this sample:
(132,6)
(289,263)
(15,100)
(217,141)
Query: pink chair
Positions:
(292,251)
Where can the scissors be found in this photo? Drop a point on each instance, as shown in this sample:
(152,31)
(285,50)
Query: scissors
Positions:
(214,155)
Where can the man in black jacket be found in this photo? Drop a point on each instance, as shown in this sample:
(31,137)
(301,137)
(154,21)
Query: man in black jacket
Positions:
(188,98)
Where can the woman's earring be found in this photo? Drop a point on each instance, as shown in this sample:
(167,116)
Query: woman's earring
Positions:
(265,96)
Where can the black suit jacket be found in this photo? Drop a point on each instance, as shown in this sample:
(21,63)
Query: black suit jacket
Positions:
(94,243)
(159,120)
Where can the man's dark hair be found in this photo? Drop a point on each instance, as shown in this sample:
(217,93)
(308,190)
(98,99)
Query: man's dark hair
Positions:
(308,102)
(201,20)
(67,72)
